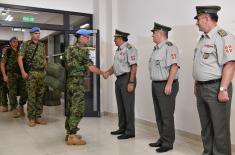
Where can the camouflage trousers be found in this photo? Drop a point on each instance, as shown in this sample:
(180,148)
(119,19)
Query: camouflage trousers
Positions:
(17,87)
(76,104)
(3,93)
(35,89)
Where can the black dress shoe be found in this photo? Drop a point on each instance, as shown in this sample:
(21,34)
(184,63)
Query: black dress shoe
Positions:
(164,149)
(157,144)
(125,136)
(118,132)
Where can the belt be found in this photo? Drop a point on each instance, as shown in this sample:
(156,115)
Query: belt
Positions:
(207,82)
(164,81)
(124,74)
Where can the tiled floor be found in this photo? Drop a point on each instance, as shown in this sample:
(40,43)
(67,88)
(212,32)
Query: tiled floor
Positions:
(16,138)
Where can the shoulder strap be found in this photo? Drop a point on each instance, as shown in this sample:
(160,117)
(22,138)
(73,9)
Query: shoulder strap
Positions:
(222,33)
(169,43)
(34,52)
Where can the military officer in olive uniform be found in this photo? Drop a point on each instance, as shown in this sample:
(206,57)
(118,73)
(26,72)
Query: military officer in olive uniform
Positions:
(32,62)
(11,75)
(77,60)
(213,69)
(124,68)
(163,68)
(3,85)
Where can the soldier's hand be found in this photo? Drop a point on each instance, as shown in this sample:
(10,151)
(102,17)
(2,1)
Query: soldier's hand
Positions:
(105,75)
(223,96)
(25,75)
(130,87)
(5,78)
(168,89)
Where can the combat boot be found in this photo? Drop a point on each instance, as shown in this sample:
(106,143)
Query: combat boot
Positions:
(41,121)
(4,109)
(21,111)
(78,136)
(74,140)
(32,123)
(15,113)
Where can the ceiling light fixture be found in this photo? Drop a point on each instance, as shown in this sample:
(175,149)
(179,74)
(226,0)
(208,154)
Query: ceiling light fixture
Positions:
(85,26)
(8,17)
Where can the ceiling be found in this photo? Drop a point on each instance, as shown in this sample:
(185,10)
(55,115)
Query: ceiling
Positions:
(41,17)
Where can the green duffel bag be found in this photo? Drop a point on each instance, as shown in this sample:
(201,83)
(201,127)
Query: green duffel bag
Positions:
(52,103)
(52,97)
(55,70)
(54,83)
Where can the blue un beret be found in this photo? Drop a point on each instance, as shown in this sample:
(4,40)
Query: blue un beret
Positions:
(34,29)
(83,32)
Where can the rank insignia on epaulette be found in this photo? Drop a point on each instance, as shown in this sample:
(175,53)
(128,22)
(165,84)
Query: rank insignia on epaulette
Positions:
(129,46)
(222,33)
(169,43)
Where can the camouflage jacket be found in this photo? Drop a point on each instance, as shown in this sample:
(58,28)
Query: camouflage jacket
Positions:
(39,61)
(10,61)
(76,60)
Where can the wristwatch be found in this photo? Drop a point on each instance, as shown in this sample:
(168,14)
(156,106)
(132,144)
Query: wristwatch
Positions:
(131,82)
(222,89)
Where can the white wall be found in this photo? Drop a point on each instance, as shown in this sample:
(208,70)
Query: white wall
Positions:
(137,17)
(84,6)
(105,19)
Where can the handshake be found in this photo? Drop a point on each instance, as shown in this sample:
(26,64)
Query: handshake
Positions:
(105,74)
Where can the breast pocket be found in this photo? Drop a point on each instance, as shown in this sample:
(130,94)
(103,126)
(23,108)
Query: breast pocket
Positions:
(122,57)
(208,55)
(160,62)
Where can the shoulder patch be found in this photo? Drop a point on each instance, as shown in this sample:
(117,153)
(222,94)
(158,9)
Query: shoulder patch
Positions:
(169,43)
(129,46)
(222,33)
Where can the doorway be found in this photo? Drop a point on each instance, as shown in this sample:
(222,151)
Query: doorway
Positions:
(57,32)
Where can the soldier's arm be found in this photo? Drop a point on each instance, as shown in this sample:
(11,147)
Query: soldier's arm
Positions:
(95,69)
(173,71)
(21,65)
(20,62)
(172,61)
(227,74)
(133,73)
(3,70)
(110,71)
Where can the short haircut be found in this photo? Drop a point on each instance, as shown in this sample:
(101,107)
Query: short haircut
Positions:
(166,34)
(214,17)
(124,38)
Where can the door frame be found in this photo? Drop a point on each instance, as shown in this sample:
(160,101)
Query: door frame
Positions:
(65,28)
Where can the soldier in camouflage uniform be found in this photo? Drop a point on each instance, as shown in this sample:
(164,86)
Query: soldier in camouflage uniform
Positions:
(35,76)
(76,60)
(3,87)
(11,75)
